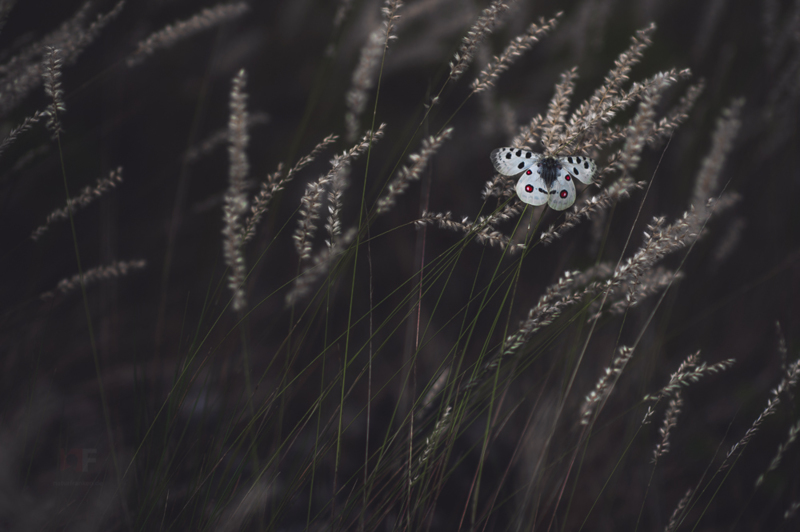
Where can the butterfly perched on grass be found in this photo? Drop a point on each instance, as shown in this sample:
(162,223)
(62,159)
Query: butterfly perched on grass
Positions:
(544,179)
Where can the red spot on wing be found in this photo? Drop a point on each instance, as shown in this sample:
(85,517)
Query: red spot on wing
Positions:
(563,194)
(528,172)
(568,177)
(528,188)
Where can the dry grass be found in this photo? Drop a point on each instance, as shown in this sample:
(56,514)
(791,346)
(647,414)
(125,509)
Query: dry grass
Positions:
(410,347)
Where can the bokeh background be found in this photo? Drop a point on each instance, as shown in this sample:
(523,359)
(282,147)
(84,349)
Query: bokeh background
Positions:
(740,279)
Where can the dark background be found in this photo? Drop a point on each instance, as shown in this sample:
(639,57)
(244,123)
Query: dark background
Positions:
(168,212)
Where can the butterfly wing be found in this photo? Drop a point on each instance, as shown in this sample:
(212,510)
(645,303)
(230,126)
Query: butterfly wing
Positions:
(511,161)
(581,168)
(532,189)
(562,191)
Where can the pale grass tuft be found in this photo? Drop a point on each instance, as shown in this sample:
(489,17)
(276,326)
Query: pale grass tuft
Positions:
(218,138)
(52,87)
(643,129)
(27,123)
(587,135)
(557,298)
(321,263)
(87,195)
(791,374)
(553,123)
(783,352)
(483,232)
(601,106)
(245,506)
(510,211)
(728,242)
(674,519)
(172,33)
(235,197)
(690,371)
(434,390)
(308,159)
(660,240)
(74,45)
(431,442)
(482,28)
(670,421)
(518,46)
(605,384)
(529,135)
(643,123)
(101,273)
(587,209)
(631,293)
(687,373)
(677,115)
(366,73)
(412,172)
(341,12)
(500,185)
(794,430)
(238,136)
(23,72)
(721,144)
(789,513)
(334,222)
(275,182)
(311,202)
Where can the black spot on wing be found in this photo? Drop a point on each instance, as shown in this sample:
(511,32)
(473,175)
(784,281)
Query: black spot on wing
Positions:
(576,171)
(508,155)
(521,166)
(528,155)
(586,165)
(569,159)
(519,153)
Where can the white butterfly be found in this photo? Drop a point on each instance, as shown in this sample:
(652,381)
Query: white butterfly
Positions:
(544,179)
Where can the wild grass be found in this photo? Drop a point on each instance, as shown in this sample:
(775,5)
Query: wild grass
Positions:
(390,339)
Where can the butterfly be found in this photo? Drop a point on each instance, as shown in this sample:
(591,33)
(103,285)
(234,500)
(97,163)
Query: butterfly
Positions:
(544,179)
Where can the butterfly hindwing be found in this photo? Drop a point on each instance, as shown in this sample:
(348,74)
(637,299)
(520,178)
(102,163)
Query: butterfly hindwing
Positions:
(581,168)
(511,161)
(562,191)
(531,188)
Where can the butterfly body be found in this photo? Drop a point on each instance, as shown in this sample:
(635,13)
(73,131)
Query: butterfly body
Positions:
(544,179)
(548,168)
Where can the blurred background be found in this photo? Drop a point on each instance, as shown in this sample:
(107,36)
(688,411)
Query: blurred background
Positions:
(149,395)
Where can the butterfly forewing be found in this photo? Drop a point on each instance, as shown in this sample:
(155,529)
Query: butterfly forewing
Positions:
(511,161)
(581,168)
(531,188)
